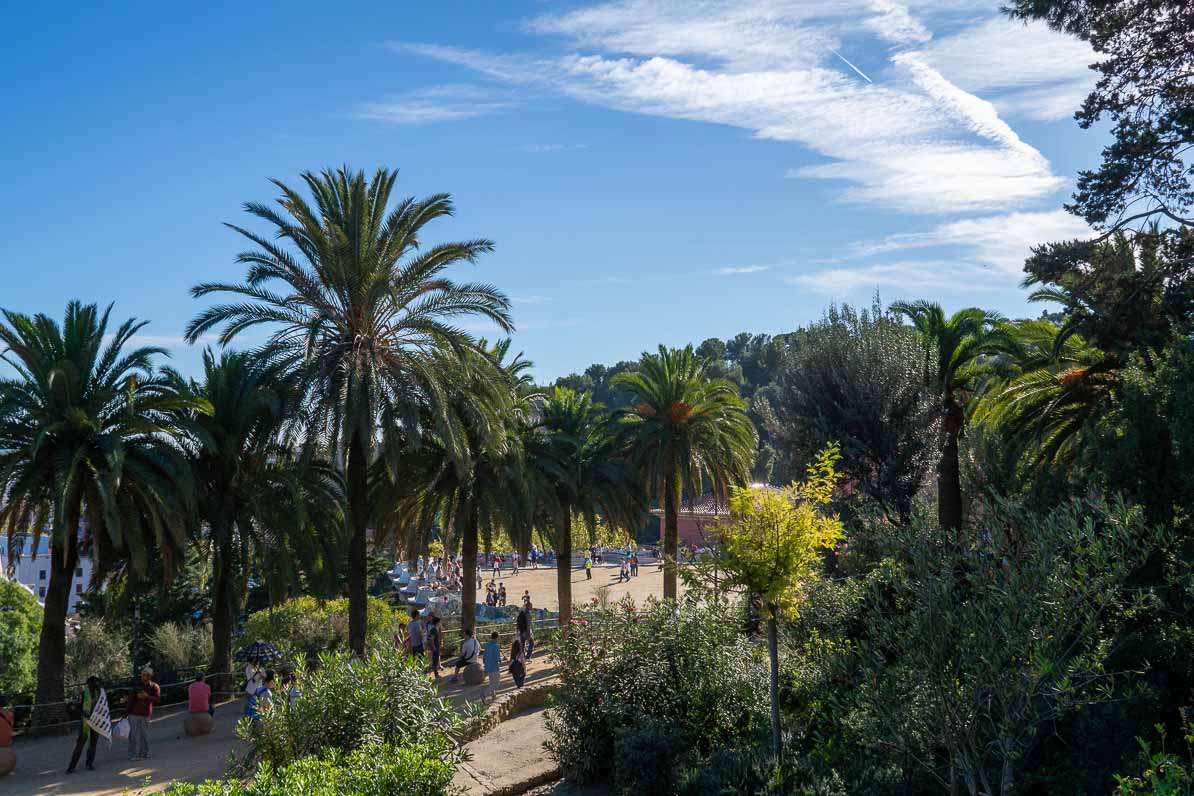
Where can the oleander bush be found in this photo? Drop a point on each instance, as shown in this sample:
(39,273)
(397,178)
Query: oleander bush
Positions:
(647,695)
(379,768)
(350,704)
(307,626)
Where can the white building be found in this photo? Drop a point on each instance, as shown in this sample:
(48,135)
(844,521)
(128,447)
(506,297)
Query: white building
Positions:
(34,572)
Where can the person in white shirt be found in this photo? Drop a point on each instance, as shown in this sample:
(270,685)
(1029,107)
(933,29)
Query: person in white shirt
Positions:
(470,652)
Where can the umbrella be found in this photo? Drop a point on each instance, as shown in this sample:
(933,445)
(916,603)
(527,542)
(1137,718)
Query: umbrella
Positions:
(258,653)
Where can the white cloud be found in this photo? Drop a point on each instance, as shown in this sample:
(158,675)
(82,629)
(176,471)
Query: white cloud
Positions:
(911,275)
(1002,241)
(530,299)
(445,103)
(1025,70)
(744,269)
(539,148)
(915,140)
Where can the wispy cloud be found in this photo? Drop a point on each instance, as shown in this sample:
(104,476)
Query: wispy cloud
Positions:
(530,299)
(924,137)
(553,147)
(1000,241)
(444,103)
(744,269)
(909,275)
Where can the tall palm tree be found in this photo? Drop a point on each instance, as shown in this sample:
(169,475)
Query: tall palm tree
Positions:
(961,345)
(687,430)
(86,453)
(364,321)
(265,506)
(577,465)
(475,485)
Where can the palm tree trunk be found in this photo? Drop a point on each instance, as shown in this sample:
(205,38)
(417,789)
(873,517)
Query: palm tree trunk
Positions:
(222,611)
(949,481)
(564,566)
(468,594)
(671,535)
(356,476)
(51,653)
(777,741)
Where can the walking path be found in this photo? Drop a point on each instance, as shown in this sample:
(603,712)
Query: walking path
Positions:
(41,761)
(510,754)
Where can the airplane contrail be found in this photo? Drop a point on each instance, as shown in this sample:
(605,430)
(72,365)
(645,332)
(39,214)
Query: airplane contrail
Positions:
(861,73)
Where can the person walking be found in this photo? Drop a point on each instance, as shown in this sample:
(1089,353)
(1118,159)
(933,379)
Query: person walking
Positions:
(493,666)
(588,567)
(480,579)
(414,631)
(502,595)
(470,650)
(514,561)
(433,644)
(518,666)
(199,696)
(526,630)
(634,565)
(88,699)
(624,571)
(260,701)
(145,694)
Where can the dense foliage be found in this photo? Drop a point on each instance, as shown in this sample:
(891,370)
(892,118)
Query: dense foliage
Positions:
(306,626)
(349,704)
(19,632)
(412,770)
(649,697)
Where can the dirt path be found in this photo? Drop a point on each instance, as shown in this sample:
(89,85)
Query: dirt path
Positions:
(511,753)
(541,583)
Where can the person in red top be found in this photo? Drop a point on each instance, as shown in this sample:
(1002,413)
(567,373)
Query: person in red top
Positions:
(144,696)
(7,718)
(199,696)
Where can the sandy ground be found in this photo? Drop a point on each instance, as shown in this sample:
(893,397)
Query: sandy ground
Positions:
(542,585)
(511,753)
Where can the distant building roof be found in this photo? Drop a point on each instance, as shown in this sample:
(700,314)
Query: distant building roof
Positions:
(708,505)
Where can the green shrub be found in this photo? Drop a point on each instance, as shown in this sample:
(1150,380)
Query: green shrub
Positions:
(410,770)
(1164,774)
(636,679)
(98,649)
(349,704)
(19,634)
(307,625)
(178,646)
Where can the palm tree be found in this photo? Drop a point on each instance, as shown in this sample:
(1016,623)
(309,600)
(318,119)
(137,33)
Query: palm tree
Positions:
(363,321)
(264,505)
(687,430)
(577,466)
(1058,385)
(962,344)
(474,483)
(86,453)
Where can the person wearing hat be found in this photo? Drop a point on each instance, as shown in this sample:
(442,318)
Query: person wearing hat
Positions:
(142,698)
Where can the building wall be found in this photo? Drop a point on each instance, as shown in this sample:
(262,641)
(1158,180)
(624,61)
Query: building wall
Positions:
(35,572)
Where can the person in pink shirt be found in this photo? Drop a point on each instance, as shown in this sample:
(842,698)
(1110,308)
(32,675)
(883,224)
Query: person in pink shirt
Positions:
(199,696)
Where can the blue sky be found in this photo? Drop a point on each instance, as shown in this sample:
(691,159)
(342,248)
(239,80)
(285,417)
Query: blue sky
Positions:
(651,172)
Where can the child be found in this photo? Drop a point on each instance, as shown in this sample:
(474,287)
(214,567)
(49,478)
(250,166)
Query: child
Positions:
(493,666)
(502,595)
(517,668)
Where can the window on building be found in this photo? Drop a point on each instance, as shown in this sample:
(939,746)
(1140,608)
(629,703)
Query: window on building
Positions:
(78,588)
(41,592)
(41,575)
(78,572)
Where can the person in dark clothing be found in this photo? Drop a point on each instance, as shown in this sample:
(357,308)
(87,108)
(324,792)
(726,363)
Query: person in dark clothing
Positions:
(87,701)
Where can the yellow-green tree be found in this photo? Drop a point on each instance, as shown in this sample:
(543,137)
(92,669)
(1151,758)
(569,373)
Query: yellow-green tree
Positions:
(771,545)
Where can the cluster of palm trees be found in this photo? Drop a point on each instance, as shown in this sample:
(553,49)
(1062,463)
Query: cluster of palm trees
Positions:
(366,410)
